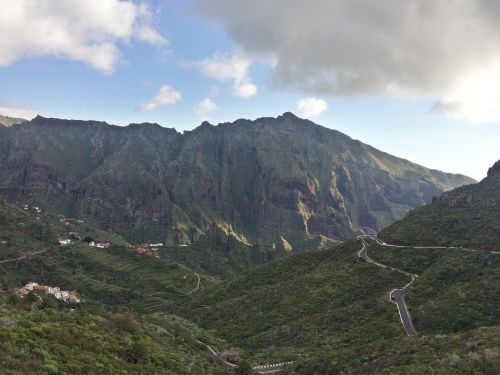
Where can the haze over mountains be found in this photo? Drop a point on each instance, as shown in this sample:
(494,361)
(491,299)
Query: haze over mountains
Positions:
(9,121)
(278,180)
(468,216)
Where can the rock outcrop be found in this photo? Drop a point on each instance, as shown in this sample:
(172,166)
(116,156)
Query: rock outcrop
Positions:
(269,178)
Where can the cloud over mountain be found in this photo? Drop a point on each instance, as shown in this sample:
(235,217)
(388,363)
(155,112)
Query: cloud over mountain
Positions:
(166,96)
(440,49)
(230,67)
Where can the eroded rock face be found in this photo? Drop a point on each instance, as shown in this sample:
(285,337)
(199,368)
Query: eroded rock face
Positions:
(494,170)
(268,178)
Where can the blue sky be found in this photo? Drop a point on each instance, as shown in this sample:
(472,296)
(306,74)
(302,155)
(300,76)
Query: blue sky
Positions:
(196,55)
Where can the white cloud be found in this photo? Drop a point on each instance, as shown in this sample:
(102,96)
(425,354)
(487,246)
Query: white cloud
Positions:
(81,30)
(436,49)
(19,111)
(166,96)
(234,68)
(310,107)
(245,90)
(475,97)
(205,107)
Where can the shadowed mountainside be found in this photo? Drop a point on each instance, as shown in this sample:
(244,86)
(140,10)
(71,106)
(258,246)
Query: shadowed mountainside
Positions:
(278,180)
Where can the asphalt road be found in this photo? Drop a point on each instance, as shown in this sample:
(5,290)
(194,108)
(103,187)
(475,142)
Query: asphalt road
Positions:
(262,369)
(397,296)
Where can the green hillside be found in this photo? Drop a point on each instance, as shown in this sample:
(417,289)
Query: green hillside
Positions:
(22,231)
(468,216)
(116,277)
(301,304)
(469,352)
(51,339)
(456,290)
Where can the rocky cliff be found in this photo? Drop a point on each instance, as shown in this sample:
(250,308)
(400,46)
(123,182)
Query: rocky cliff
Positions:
(273,180)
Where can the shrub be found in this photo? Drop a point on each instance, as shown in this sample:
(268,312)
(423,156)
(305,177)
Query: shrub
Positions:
(136,352)
(124,322)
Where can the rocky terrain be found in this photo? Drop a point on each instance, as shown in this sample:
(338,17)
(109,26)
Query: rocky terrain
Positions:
(282,181)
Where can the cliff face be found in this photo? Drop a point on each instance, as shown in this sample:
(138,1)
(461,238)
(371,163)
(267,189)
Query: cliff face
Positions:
(266,179)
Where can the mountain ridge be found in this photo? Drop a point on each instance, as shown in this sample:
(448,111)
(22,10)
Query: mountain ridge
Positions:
(267,178)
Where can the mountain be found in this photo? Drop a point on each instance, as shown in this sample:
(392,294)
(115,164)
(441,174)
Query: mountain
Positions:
(9,121)
(283,181)
(468,216)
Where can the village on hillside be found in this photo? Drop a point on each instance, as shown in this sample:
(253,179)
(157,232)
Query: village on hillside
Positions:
(43,290)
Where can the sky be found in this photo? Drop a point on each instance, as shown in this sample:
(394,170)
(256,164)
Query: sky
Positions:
(418,79)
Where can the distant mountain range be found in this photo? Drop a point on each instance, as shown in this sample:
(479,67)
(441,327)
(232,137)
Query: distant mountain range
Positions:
(468,216)
(283,181)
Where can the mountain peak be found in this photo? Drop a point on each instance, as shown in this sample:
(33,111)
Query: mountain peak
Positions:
(494,170)
(289,115)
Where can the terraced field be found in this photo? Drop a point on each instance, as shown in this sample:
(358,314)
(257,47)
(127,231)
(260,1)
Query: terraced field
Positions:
(117,276)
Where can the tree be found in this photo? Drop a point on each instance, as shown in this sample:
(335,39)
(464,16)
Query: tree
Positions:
(136,352)
(244,368)
(31,297)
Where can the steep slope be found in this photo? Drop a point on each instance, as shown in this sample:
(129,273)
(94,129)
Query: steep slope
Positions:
(468,216)
(22,231)
(330,312)
(306,303)
(273,180)
(60,340)
(456,290)
(9,121)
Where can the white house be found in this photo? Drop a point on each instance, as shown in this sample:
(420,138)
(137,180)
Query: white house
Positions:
(64,241)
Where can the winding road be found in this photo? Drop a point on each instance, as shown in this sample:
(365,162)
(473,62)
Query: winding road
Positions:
(261,369)
(396,296)
(26,255)
(197,284)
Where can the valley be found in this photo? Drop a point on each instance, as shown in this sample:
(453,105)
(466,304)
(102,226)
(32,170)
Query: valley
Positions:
(298,304)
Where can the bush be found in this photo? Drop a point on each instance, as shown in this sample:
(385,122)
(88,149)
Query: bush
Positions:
(124,322)
(49,302)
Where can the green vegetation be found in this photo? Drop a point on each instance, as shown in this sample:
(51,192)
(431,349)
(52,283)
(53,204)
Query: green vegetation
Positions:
(57,340)
(456,290)
(471,352)
(328,310)
(468,216)
(22,231)
(116,276)
(220,255)
(305,303)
